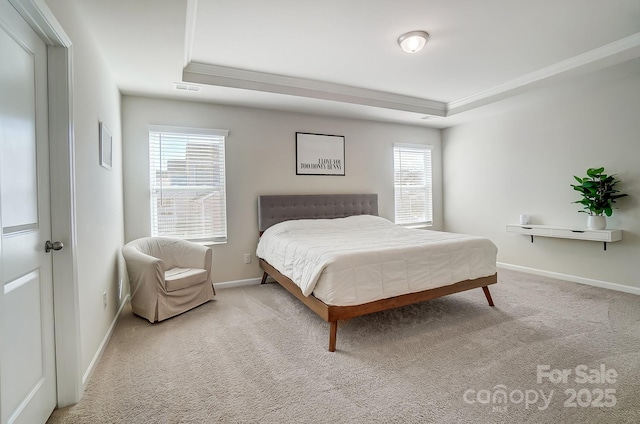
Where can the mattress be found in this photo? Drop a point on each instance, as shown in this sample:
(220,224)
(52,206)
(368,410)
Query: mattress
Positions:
(360,259)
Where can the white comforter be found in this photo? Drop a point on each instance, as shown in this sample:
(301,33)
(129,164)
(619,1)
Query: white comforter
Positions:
(359,259)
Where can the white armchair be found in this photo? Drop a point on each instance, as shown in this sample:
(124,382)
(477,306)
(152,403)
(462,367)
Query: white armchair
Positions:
(167,276)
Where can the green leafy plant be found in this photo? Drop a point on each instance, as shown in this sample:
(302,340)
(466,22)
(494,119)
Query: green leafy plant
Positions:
(598,192)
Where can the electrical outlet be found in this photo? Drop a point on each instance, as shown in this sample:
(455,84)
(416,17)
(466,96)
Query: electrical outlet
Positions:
(104,299)
(120,289)
(247,258)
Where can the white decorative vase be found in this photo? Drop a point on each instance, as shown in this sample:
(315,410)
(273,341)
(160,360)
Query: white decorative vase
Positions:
(596,222)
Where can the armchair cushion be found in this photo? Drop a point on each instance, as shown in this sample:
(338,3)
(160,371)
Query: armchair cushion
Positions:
(180,278)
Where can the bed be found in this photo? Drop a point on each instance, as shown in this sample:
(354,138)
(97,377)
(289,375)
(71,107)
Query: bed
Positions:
(336,255)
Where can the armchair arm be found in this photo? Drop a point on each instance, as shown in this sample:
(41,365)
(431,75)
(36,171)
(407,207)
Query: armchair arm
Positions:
(187,254)
(145,272)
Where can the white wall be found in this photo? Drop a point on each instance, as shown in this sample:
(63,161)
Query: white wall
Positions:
(260,155)
(99,192)
(523,162)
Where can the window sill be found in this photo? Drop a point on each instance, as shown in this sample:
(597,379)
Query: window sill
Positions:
(209,243)
(416,226)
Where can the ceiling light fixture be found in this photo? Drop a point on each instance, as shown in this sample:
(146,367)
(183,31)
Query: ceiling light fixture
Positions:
(414,41)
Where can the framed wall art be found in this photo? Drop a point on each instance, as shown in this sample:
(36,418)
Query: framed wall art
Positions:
(319,154)
(106,147)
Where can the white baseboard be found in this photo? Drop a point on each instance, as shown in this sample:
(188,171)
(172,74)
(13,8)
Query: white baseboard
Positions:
(572,278)
(237,283)
(105,340)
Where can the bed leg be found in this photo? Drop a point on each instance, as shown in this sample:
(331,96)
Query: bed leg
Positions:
(264,278)
(485,289)
(333,331)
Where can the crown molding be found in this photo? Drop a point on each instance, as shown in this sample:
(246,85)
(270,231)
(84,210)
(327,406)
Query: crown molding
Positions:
(190,29)
(203,73)
(619,51)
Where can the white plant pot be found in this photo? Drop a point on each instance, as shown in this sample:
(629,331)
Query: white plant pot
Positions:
(596,222)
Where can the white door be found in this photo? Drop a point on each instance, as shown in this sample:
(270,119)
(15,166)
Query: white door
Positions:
(27,371)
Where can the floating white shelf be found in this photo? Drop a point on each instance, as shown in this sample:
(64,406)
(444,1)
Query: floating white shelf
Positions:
(605,236)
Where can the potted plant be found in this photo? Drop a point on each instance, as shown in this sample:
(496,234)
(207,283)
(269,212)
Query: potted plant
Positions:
(599,193)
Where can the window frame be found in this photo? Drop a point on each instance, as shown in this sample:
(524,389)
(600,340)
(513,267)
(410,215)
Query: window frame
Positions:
(206,239)
(427,187)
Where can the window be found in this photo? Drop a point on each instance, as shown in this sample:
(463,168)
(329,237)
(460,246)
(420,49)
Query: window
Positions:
(188,183)
(413,184)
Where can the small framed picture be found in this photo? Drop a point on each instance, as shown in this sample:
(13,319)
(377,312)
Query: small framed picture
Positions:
(319,154)
(106,147)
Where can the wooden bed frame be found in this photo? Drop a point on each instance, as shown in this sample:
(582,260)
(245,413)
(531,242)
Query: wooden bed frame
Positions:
(331,313)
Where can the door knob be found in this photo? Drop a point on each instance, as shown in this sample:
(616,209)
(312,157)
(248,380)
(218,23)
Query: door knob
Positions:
(56,245)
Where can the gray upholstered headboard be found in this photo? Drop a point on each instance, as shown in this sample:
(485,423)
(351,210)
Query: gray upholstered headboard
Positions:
(277,208)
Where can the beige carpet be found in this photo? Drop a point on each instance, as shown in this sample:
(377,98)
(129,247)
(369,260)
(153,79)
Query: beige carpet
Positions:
(256,354)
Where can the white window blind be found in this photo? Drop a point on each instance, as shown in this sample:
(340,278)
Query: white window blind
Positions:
(187,183)
(413,184)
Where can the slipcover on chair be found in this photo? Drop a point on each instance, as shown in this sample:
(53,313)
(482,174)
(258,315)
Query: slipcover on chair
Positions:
(168,276)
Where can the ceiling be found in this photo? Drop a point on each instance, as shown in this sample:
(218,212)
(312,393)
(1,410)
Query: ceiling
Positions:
(341,57)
